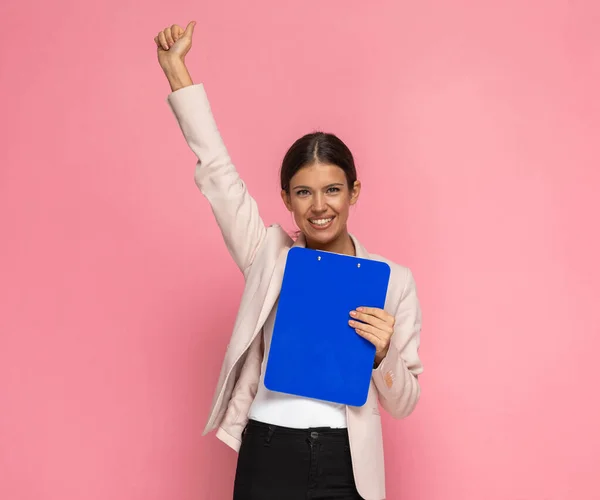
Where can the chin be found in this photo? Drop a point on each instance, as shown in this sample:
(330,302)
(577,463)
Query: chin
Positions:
(322,237)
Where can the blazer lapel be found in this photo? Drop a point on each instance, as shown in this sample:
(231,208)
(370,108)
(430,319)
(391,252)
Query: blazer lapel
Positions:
(275,281)
(361,252)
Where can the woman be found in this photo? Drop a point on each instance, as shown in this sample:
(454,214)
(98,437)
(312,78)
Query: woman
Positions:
(292,447)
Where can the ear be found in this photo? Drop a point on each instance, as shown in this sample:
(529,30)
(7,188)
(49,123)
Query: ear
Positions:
(355,192)
(286,199)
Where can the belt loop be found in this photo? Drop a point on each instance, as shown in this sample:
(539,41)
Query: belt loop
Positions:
(270,433)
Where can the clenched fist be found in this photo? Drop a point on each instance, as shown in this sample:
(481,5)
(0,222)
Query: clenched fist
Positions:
(173,43)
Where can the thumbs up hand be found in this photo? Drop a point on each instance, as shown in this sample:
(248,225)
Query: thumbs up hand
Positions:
(174,43)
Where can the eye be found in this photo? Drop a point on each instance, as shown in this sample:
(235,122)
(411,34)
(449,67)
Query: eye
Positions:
(333,189)
(302,192)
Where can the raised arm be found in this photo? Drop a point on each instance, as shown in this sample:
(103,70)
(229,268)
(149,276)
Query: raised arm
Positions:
(235,210)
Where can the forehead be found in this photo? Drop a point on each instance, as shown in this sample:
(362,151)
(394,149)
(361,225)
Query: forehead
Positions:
(318,174)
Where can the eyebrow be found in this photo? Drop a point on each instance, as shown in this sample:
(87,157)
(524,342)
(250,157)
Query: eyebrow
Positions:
(328,186)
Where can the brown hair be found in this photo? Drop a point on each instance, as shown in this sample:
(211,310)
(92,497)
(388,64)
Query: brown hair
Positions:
(317,147)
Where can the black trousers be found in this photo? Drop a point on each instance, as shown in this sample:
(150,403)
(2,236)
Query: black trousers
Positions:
(279,463)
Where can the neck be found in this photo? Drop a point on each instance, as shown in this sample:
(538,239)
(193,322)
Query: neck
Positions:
(343,244)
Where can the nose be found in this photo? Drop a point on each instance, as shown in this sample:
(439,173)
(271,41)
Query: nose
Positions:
(319,204)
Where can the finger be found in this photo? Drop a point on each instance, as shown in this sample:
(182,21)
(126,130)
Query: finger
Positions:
(176,32)
(189,30)
(378,313)
(169,37)
(157,42)
(376,341)
(163,41)
(373,320)
(381,334)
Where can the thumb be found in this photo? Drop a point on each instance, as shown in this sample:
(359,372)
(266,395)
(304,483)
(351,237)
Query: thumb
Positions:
(189,30)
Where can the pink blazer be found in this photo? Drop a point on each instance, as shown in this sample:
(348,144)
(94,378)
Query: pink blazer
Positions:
(260,253)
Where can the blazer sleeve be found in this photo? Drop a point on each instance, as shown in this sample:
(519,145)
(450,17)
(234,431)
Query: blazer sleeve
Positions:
(244,393)
(235,211)
(396,377)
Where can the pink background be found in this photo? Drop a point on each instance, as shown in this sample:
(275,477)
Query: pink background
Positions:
(475,126)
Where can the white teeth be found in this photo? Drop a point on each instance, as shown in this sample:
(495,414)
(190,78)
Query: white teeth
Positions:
(321,222)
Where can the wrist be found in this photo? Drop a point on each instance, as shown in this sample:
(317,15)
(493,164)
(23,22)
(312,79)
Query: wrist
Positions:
(379,357)
(177,73)
(173,64)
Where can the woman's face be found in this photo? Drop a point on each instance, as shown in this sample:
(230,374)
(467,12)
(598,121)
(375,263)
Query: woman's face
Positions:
(320,201)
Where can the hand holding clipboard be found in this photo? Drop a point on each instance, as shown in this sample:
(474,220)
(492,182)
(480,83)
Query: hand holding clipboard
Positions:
(375,325)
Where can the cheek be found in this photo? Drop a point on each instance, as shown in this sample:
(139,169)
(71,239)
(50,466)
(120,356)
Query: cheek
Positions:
(341,206)
(299,208)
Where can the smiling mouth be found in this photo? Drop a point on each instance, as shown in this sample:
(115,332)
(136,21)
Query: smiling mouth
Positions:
(321,223)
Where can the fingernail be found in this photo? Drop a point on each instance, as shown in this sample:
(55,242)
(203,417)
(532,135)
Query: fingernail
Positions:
(352,323)
(359,309)
(352,313)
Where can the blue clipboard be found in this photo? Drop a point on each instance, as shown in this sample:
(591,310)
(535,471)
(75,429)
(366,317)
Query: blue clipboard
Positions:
(314,352)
